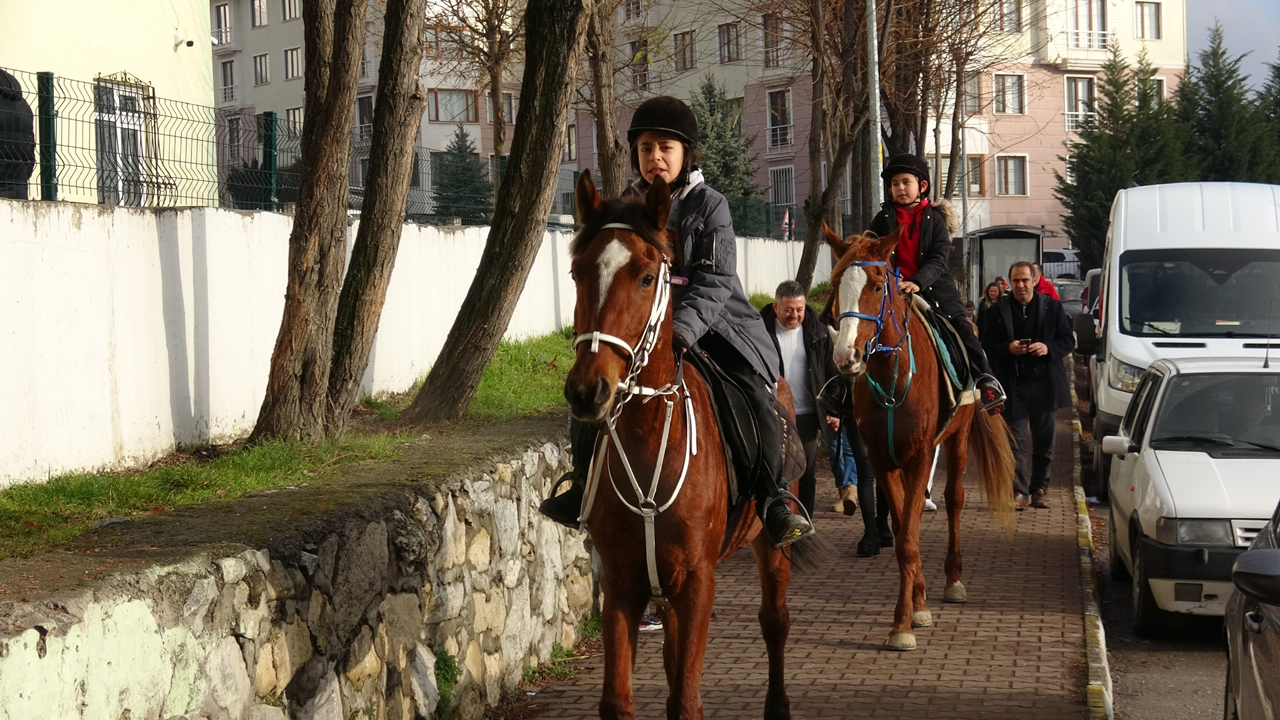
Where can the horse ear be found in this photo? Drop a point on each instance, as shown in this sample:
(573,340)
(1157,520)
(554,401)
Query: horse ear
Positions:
(588,199)
(658,201)
(837,243)
(883,247)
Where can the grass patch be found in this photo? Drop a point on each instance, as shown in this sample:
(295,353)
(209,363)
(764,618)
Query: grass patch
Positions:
(592,629)
(557,668)
(35,517)
(447,674)
(525,378)
(759,300)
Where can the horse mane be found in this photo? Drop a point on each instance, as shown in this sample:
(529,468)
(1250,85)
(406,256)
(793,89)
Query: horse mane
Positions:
(628,210)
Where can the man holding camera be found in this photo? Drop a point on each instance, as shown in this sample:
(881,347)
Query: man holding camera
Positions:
(1026,339)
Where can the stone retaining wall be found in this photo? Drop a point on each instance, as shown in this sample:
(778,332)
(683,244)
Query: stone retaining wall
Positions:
(350,626)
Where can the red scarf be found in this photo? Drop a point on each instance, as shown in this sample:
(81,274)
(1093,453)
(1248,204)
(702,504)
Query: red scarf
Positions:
(907,255)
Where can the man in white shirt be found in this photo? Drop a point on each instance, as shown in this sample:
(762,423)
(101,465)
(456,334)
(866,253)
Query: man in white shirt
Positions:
(805,351)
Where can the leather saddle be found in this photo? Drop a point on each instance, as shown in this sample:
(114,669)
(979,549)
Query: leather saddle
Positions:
(740,435)
(952,359)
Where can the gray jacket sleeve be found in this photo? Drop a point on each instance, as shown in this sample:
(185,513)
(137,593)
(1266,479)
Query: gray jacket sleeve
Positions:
(712,270)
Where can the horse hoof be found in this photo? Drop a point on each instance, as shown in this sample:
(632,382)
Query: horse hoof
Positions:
(901,642)
(955,593)
(921,618)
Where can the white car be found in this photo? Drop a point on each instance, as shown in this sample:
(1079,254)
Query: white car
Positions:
(1060,263)
(1196,474)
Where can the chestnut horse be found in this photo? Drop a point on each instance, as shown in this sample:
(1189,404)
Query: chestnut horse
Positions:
(657,501)
(898,389)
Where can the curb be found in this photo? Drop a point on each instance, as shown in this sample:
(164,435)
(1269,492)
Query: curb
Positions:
(1097,689)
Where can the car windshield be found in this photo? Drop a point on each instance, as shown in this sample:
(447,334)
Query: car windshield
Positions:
(1200,293)
(1239,410)
(1070,292)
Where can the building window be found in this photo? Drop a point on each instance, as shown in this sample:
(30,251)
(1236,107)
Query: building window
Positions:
(364,118)
(570,153)
(734,107)
(782,185)
(1087,24)
(772,25)
(1010,16)
(292,63)
(1147,23)
(977,188)
(120,123)
(261,69)
(1008,95)
(290,8)
(730,42)
(235,146)
(221,24)
(293,118)
(508,107)
(1011,175)
(639,64)
(258,12)
(685,59)
(453,106)
(1079,102)
(972,95)
(228,80)
(1159,89)
(631,9)
(779,118)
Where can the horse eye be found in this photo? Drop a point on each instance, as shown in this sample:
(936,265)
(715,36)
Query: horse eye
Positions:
(879,288)
(646,281)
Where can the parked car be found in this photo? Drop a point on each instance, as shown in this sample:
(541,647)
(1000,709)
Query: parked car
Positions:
(1092,286)
(1069,292)
(1196,473)
(1252,625)
(1185,273)
(1061,263)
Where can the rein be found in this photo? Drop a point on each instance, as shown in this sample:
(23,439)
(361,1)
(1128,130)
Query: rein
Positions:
(646,505)
(888,399)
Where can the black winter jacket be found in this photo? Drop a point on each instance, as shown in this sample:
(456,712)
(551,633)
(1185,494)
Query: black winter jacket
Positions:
(1053,329)
(817,347)
(934,258)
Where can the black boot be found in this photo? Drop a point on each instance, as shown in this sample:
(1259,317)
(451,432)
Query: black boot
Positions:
(783,526)
(564,508)
(869,545)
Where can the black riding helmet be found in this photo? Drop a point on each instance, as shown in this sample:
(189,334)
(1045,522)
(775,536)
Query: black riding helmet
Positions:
(670,115)
(907,163)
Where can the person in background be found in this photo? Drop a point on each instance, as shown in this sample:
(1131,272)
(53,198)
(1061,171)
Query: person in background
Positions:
(970,311)
(1042,284)
(806,359)
(990,296)
(1002,283)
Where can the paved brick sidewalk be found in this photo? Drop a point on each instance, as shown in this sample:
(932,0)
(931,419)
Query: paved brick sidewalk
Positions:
(1015,650)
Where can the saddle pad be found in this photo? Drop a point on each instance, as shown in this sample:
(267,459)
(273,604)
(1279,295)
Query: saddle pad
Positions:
(737,426)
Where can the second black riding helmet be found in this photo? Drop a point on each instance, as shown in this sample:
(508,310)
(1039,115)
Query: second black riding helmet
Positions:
(664,114)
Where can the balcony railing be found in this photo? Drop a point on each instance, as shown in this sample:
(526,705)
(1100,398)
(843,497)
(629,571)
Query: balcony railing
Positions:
(1089,39)
(229,93)
(221,36)
(780,136)
(364,133)
(1076,120)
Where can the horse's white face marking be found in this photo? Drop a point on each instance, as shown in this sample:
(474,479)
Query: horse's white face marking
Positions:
(844,345)
(614,256)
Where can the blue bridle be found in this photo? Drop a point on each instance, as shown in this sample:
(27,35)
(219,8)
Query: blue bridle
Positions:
(887,399)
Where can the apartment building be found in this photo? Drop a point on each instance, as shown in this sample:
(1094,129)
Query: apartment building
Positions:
(1021,109)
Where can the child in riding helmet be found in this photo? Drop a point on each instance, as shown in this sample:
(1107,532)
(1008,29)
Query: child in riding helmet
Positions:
(923,256)
(712,310)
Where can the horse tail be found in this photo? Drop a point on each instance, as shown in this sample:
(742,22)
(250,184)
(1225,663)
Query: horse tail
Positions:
(810,553)
(992,443)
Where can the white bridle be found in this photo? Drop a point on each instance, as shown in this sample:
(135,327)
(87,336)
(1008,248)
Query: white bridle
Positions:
(646,506)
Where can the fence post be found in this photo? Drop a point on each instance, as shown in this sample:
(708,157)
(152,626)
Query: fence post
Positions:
(48,138)
(270,163)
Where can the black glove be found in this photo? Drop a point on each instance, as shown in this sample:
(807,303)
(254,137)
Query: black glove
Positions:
(678,345)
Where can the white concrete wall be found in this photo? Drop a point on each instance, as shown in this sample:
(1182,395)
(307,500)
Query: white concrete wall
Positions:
(126,331)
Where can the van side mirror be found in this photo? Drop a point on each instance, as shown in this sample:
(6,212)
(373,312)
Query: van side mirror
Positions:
(1117,445)
(1257,575)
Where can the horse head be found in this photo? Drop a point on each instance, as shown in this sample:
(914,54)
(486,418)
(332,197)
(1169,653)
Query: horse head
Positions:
(862,296)
(620,264)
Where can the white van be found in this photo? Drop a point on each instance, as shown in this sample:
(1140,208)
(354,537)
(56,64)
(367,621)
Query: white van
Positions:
(1190,270)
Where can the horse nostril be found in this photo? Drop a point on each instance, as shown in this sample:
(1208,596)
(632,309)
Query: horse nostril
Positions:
(603,390)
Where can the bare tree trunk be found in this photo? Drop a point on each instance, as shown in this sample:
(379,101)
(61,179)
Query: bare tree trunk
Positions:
(555,32)
(955,135)
(297,385)
(611,152)
(499,112)
(401,101)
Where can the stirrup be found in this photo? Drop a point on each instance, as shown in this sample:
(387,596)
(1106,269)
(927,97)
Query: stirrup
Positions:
(997,399)
(795,536)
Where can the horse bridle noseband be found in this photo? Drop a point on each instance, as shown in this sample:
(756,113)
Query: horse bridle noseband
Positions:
(646,506)
(894,280)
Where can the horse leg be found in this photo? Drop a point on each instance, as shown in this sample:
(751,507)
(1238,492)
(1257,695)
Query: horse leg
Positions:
(775,622)
(906,493)
(957,449)
(686,645)
(620,621)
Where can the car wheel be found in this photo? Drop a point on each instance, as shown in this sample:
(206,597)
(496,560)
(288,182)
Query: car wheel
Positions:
(1115,565)
(1101,470)
(1148,619)
(1229,710)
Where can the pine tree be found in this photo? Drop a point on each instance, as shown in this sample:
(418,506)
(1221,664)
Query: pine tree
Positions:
(460,182)
(1228,136)
(1269,99)
(1101,162)
(1157,138)
(727,163)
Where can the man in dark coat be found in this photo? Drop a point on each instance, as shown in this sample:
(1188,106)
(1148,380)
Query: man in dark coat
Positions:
(17,139)
(1026,335)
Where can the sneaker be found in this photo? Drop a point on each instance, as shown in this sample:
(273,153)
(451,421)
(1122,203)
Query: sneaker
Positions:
(649,621)
(930,505)
(848,503)
(565,507)
(1020,502)
(990,394)
(785,527)
(1037,499)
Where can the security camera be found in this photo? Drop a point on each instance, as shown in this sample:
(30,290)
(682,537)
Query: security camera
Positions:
(191,43)
(179,40)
